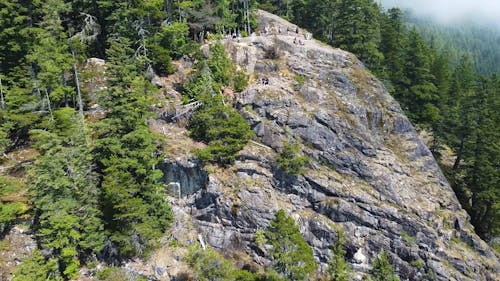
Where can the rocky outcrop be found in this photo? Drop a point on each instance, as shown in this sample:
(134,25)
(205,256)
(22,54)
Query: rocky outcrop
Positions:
(183,177)
(370,175)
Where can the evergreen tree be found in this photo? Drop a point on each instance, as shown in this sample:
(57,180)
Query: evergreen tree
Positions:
(220,126)
(292,256)
(482,173)
(135,213)
(338,268)
(64,195)
(37,268)
(51,57)
(419,97)
(393,47)
(356,28)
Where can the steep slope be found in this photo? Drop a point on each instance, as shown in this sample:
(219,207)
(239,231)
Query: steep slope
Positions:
(369,174)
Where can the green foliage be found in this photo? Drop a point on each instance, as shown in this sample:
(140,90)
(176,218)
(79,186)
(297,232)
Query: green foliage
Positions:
(473,39)
(290,160)
(338,268)
(135,213)
(209,265)
(240,81)
(292,257)
(220,126)
(169,42)
(270,275)
(221,67)
(117,274)
(418,264)
(408,238)
(382,270)
(4,142)
(300,79)
(260,238)
(38,268)
(10,209)
(223,129)
(65,197)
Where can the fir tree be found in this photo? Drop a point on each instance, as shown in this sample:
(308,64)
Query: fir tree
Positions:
(135,212)
(419,97)
(292,256)
(357,29)
(64,195)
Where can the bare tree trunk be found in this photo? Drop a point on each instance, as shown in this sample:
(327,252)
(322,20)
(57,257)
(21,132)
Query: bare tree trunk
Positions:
(168,10)
(247,11)
(179,7)
(77,83)
(2,100)
(63,80)
(48,103)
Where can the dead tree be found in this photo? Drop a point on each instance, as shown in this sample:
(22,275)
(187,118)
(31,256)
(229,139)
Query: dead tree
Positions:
(88,34)
(2,99)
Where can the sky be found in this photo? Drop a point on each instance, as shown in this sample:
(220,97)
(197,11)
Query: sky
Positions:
(452,11)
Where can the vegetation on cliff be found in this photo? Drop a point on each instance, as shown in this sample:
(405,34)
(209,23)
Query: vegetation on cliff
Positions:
(439,93)
(95,189)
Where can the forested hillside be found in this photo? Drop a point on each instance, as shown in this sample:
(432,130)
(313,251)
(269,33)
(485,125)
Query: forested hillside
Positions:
(478,41)
(90,189)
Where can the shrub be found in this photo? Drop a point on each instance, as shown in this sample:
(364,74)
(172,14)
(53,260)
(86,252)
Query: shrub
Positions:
(300,79)
(161,60)
(240,81)
(290,161)
(382,269)
(209,265)
(224,131)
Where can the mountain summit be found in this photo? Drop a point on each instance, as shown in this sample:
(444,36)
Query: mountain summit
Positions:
(369,173)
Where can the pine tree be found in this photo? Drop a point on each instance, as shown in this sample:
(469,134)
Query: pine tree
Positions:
(482,174)
(37,268)
(392,46)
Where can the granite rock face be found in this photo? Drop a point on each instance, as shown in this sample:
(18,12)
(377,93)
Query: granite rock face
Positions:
(370,175)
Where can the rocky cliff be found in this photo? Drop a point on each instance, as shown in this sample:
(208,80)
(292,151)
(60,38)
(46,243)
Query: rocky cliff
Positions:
(369,174)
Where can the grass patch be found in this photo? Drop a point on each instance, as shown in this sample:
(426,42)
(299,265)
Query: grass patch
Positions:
(418,264)
(408,238)
(455,239)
